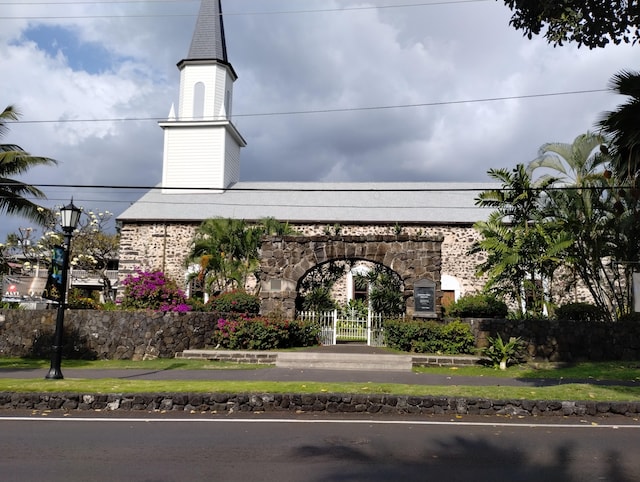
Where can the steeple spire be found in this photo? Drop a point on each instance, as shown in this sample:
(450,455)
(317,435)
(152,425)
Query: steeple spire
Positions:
(201,144)
(208,42)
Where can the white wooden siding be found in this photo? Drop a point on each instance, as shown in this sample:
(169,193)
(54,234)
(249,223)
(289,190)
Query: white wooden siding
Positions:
(216,81)
(232,162)
(194,157)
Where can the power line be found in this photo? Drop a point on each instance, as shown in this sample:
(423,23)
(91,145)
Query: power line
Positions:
(225,14)
(473,186)
(327,111)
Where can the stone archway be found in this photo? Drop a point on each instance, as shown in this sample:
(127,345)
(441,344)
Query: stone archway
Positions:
(284,260)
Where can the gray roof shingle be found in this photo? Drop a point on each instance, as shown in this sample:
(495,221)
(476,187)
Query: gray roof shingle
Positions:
(425,203)
(208,42)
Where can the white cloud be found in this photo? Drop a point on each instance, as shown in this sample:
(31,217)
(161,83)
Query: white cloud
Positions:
(299,62)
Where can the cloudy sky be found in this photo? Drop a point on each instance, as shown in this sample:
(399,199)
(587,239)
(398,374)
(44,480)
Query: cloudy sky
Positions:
(328,90)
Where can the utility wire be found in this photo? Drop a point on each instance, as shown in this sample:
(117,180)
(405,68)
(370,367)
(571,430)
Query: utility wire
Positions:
(224,14)
(479,186)
(325,111)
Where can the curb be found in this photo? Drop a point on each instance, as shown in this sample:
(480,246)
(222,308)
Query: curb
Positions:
(330,403)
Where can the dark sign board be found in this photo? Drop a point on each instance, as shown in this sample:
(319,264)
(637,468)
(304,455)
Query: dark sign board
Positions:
(424,294)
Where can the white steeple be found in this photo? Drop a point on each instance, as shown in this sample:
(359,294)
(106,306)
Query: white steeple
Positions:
(201,145)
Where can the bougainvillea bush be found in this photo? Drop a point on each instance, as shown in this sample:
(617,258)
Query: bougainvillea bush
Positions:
(262,333)
(152,290)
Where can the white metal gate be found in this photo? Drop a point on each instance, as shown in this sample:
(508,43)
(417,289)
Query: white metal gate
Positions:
(347,326)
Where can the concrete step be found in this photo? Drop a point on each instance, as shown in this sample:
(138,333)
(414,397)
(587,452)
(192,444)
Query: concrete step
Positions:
(326,360)
(255,357)
(343,361)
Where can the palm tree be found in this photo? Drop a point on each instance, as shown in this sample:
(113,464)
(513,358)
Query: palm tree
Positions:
(14,161)
(227,252)
(520,247)
(623,126)
(577,163)
(575,201)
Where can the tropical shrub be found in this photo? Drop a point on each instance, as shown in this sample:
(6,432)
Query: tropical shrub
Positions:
(77,301)
(580,312)
(153,291)
(236,302)
(318,299)
(481,305)
(500,354)
(357,307)
(263,333)
(385,293)
(429,337)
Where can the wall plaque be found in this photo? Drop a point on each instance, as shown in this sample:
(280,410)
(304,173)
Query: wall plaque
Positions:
(424,295)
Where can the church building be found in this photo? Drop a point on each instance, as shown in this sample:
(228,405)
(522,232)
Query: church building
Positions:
(420,230)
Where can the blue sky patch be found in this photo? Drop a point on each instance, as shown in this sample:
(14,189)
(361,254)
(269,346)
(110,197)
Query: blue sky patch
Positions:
(88,56)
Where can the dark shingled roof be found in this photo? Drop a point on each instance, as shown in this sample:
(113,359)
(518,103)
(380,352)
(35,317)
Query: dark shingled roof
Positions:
(208,41)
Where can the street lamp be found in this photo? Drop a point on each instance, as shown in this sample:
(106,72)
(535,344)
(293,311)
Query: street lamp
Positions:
(69,217)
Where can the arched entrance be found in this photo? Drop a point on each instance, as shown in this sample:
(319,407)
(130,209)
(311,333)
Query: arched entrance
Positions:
(285,260)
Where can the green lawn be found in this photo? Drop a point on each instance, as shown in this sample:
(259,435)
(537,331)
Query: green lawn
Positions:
(107,385)
(623,371)
(578,371)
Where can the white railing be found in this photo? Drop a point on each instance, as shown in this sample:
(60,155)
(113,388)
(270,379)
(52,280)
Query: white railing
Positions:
(347,326)
(327,322)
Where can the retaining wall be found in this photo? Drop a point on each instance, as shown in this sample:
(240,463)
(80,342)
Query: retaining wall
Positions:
(119,335)
(145,334)
(313,403)
(556,340)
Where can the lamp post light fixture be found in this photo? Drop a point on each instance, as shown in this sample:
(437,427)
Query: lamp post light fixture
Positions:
(69,217)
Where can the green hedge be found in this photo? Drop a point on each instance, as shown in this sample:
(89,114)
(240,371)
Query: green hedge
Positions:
(429,337)
(478,306)
(580,312)
(262,333)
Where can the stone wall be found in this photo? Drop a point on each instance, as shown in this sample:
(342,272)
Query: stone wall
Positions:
(141,334)
(553,340)
(286,260)
(161,246)
(213,403)
(164,246)
(120,335)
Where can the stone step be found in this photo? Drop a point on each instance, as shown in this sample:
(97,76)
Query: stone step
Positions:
(256,357)
(344,361)
(323,360)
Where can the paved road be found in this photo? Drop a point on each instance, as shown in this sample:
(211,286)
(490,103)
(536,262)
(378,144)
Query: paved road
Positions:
(306,448)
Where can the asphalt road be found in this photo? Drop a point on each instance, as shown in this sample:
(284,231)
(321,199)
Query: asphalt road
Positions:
(306,448)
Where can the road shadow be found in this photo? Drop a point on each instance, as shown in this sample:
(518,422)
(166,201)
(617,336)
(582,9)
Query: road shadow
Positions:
(457,458)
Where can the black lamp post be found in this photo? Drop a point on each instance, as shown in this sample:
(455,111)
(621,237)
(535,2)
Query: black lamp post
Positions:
(69,217)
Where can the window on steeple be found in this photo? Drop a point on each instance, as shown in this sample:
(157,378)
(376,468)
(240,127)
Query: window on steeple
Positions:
(198,100)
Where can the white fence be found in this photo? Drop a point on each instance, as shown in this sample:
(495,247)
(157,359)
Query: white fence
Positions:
(349,325)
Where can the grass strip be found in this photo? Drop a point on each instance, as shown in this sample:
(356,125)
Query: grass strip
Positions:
(156,364)
(575,392)
(627,371)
